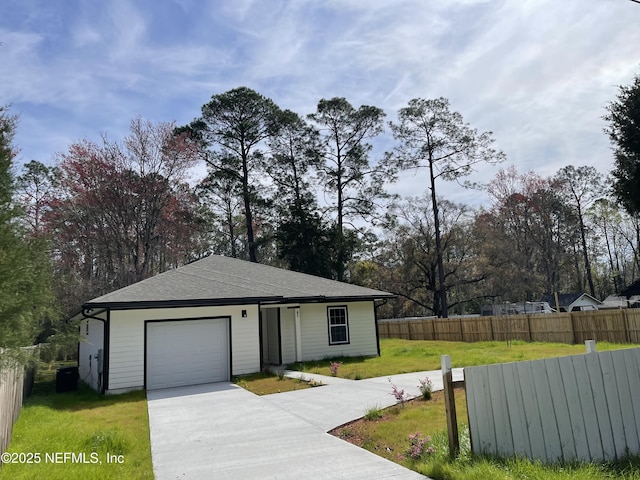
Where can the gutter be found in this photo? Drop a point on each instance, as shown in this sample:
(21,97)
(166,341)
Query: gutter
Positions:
(104,376)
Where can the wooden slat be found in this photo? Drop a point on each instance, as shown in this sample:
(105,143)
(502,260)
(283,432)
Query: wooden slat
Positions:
(531,411)
(472,414)
(602,410)
(552,444)
(502,424)
(576,415)
(607,368)
(626,405)
(588,407)
(484,434)
(561,410)
(519,427)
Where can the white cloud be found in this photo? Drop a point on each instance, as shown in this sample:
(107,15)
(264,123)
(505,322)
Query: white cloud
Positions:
(536,73)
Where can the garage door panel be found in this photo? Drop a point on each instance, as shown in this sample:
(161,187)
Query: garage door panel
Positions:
(187,352)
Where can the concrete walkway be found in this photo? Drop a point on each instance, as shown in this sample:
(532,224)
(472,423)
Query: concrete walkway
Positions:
(223,431)
(341,401)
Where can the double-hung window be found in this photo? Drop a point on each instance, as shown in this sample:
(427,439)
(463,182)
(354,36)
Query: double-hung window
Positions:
(338,325)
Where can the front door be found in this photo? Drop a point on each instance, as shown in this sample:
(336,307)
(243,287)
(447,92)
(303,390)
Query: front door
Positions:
(271,351)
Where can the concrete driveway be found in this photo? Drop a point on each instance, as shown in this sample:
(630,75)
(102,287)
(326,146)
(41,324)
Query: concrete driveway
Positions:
(223,431)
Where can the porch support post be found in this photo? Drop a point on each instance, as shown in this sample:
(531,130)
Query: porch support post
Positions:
(298,336)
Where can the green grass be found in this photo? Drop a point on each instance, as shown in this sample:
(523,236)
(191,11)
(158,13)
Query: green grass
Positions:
(81,422)
(405,356)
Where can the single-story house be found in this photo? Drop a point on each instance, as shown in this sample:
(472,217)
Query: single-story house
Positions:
(573,302)
(218,317)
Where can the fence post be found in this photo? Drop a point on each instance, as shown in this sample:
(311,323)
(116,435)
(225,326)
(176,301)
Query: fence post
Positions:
(625,320)
(591,346)
(450,406)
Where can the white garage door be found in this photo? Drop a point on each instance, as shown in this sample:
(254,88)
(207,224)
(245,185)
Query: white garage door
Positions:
(187,352)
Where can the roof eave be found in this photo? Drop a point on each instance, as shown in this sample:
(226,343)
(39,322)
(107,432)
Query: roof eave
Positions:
(217,302)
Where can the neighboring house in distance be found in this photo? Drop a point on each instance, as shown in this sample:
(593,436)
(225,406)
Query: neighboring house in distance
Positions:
(218,317)
(573,302)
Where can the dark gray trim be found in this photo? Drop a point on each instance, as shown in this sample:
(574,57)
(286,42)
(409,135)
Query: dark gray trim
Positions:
(165,320)
(375,319)
(106,354)
(346,318)
(217,302)
(260,339)
(279,340)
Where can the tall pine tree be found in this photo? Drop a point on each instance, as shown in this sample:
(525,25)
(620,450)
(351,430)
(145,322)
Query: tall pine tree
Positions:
(26,298)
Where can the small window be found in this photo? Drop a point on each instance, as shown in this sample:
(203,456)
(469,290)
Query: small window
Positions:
(338,325)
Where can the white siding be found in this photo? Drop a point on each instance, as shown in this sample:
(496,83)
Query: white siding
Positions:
(315,333)
(88,348)
(126,349)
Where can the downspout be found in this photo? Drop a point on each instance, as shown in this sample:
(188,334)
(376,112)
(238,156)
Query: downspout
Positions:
(105,343)
(375,317)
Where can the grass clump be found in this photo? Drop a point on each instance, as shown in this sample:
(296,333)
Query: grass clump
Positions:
(373,413)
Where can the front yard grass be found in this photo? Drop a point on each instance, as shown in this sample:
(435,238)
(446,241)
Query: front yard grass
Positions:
(388,437)
(405,356)
(81,422)
(267,383)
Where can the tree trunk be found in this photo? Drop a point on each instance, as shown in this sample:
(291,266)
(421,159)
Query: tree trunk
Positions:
(436,222)
(246,197)
(587,264)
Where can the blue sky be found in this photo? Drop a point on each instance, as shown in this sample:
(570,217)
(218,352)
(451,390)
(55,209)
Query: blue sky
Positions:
(537,73)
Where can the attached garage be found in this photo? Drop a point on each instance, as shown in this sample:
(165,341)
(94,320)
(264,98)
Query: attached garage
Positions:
(186,352)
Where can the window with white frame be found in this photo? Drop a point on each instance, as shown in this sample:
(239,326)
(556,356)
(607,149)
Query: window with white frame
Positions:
(338,325)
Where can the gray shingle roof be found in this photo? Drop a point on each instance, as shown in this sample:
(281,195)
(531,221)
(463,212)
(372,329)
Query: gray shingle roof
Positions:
(223,280)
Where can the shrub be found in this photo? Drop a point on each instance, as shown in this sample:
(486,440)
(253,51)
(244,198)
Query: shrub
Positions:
(398,394)
(418,447)
(426,388)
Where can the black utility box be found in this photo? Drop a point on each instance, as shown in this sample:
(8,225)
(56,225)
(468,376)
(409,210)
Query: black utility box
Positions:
(66,379)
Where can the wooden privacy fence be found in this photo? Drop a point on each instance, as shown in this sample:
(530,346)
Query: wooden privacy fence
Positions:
(616,326)
(581,407)
(11,395)
(16,382)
